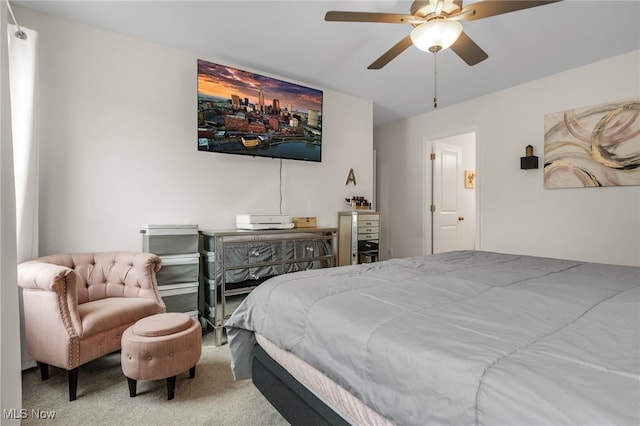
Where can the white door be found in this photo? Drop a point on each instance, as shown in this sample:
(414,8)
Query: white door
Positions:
(446,181)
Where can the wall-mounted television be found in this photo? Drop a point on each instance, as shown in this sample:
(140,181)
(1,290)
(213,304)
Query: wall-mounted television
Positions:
(240,112)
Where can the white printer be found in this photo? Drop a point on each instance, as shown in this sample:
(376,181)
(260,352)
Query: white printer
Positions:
(258,221)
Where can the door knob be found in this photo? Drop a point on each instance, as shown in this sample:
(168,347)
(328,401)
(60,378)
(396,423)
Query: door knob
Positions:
(460,218)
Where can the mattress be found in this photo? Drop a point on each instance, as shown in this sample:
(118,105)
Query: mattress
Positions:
(465,337)
(329,392)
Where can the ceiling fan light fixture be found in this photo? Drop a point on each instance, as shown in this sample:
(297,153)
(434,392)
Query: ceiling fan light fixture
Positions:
(436,35)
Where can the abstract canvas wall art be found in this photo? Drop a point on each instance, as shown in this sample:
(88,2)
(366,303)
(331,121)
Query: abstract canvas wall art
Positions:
(593,146)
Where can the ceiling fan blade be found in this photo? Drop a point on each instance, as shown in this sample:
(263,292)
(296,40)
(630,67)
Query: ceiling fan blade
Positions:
(388,18)
(390,54)
(468,50)
(485,9)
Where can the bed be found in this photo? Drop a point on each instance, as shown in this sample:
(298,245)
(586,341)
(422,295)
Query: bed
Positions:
(466,337)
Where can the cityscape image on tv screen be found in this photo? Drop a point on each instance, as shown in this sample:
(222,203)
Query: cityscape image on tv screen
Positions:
(240,112)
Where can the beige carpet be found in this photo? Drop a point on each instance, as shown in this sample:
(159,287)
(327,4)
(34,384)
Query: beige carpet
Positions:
(211,398)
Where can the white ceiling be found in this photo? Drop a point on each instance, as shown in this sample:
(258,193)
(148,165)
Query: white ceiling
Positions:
(291,40)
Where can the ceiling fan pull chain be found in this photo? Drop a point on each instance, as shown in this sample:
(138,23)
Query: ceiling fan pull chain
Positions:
(435,80)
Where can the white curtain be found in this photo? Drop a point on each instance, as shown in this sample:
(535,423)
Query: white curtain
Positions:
(23,68)
(10,377)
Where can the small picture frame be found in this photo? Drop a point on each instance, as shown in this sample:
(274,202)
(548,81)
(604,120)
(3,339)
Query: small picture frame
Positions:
(469,179)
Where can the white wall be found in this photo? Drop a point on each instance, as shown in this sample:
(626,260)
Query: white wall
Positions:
(118,135)
(515,213)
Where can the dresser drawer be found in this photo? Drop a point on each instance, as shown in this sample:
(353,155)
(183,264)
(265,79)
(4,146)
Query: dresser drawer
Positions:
(364,217)
(368,230)
(179,268)
(367,237)
(180,297)
(169,239)
(240,254)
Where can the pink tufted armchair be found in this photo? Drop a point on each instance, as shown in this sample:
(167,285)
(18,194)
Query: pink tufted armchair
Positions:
(76,306)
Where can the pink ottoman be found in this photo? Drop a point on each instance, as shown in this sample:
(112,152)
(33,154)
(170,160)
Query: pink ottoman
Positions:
(161,347)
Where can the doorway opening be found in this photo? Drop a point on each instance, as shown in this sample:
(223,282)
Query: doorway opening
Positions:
(450,189)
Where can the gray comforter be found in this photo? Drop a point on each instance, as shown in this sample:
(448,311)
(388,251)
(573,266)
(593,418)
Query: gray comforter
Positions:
(461,338)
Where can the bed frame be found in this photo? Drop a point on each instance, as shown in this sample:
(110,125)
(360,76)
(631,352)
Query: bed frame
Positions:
(294,401)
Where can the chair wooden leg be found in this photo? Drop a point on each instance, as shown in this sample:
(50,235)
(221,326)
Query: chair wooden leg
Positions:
(171,387)
(132,387)
(44,370)
(73,384)
(192,372)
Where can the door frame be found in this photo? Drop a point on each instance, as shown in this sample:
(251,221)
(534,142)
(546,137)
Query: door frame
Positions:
(427,183)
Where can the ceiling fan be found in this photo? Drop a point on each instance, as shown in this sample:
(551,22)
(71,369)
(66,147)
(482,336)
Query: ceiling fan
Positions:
(436,25)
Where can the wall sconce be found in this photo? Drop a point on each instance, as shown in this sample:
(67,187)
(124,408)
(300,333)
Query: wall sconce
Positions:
(530,161)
